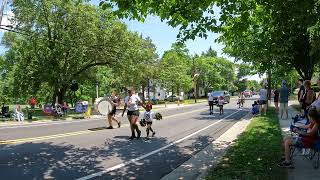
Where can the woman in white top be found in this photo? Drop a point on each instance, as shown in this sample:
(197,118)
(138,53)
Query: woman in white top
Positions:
(131,103)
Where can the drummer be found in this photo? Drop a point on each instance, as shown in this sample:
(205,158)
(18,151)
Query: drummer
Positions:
(131,103)
(115,101)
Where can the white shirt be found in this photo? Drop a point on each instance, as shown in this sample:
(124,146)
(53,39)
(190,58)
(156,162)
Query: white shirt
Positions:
(210,97)
(263,94)
(148,116)
(134,100)
(220,102)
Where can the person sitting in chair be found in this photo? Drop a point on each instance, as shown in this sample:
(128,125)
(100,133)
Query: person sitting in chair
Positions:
(18,113)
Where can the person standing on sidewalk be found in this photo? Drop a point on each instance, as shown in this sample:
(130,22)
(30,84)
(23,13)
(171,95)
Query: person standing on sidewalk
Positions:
(210,102)
(284,98)
(309,96)
(276,99)
(131,103)
(263,100)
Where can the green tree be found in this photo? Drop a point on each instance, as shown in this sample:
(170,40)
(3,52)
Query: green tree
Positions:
(66,40)
(265,33)
(209,53)
(175,68)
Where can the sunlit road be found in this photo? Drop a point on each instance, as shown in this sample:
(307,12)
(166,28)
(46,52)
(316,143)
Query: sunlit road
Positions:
(72,150)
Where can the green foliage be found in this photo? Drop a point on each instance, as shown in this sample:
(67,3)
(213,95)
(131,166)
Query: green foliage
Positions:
(264,33)
(215,73)
(66,41)
(175,66)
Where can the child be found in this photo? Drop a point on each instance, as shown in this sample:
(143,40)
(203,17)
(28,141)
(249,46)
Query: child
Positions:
(148,117)
(255,108)
(220,104)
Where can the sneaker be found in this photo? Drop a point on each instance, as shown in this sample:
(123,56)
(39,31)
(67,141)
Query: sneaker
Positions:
(132,137)
(110,127)
(119,124)
(285,164)
(154,133)
(139,134)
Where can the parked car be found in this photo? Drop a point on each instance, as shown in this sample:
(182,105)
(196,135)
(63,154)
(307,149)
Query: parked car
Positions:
(247,93)
(224,94)
(173,98)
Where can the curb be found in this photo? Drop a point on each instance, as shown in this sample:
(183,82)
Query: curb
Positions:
(198,165)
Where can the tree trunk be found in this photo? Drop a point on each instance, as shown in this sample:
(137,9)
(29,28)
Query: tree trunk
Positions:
(59,94)
(148,91)
(269,84)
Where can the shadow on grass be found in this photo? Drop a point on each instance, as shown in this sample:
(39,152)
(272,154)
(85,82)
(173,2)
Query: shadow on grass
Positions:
(255,153)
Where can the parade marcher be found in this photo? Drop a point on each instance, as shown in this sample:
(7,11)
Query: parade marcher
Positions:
(220,104)
(115,101)
(210,102)
(148,117)
(131,103)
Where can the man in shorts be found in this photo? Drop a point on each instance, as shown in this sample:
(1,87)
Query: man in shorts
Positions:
(131,103)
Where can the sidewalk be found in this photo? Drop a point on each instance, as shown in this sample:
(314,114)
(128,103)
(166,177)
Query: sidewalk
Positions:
(303,167)
(198,165)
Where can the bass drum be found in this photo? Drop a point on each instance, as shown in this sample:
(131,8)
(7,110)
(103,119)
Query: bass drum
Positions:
(104,106)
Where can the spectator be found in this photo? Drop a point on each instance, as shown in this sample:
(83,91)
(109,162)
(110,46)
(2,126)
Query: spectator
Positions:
(284,97)
(65,107)
(18,113)
(255,108)
(263,100)
(308,97)
(276,99)
(305,140)
(32,102)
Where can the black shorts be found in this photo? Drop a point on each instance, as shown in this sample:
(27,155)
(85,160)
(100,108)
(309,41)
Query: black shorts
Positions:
(149,122)
(261,102)
(133,113)
(211,103)
(113,112)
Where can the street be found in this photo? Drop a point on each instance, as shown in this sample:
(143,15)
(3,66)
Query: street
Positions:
(83,149)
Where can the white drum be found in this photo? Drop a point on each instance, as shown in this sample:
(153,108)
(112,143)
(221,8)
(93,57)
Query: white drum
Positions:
(104,106)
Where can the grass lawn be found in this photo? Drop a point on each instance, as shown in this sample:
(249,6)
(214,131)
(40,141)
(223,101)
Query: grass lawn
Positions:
(255,153)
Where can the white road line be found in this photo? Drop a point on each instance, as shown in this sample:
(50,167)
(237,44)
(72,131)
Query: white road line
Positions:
(152,152)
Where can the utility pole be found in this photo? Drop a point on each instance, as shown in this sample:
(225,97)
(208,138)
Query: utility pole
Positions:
(97,89)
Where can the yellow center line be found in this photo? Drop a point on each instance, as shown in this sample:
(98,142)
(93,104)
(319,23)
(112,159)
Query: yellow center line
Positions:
(40,138)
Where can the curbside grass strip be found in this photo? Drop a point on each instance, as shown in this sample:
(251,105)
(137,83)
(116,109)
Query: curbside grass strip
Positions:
(255,153)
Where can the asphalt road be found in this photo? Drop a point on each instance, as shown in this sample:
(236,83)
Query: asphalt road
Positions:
(75,149)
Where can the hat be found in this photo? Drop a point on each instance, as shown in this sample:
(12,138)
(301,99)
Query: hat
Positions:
(284,82)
